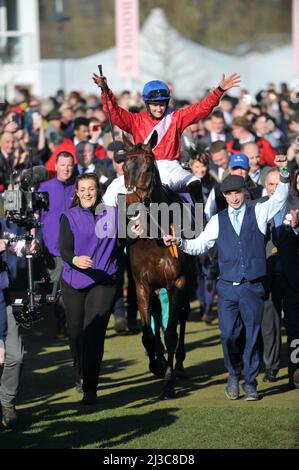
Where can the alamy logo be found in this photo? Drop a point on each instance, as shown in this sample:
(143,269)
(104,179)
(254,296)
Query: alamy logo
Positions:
(153,220)
(295,353)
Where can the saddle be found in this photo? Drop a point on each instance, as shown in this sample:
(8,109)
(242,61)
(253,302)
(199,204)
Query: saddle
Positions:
(187,205)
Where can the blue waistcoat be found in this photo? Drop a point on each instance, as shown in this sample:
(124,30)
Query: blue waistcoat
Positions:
(241,256)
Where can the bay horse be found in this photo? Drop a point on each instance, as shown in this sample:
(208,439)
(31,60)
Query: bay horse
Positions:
(155,267)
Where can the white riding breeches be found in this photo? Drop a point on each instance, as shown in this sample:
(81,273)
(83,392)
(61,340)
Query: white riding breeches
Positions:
(174,175)
(171,173)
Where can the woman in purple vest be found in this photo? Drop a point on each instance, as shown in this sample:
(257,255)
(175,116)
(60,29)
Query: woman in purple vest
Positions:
(88,246)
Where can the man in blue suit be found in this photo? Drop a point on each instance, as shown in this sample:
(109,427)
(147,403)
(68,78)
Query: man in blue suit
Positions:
(239,234)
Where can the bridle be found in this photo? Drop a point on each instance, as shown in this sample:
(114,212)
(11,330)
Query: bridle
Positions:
(146,200)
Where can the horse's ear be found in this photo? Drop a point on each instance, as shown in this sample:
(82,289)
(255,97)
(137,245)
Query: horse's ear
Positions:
(128,144)
(153,140)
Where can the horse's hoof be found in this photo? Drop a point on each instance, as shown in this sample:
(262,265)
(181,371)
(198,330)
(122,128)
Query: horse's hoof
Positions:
(157,369)
(167,394)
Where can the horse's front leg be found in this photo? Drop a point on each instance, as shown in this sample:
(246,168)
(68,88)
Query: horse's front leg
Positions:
(175,296)
(148,337)
(180,352)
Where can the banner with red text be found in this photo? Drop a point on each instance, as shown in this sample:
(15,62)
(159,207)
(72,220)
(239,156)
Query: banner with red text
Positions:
(127,27)
(295,29)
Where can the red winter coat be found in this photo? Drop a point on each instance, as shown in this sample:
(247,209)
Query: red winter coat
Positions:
(266,151)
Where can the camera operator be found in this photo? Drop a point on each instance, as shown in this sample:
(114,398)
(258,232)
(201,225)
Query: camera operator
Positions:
(11,344)
(3,319)
(61,189)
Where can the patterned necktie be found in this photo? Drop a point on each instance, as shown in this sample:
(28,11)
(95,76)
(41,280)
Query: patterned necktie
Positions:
(236,222)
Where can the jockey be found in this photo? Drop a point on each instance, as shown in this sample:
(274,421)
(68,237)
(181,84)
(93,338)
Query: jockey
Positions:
(169,125)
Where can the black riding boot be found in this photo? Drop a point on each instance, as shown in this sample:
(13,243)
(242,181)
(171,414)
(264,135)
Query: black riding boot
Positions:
(195,189)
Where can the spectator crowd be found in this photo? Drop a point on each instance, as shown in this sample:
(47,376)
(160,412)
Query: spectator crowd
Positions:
(70,135)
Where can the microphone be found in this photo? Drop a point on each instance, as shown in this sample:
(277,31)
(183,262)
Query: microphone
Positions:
(34,176)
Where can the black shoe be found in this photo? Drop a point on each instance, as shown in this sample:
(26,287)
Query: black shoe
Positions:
(133,326)
(195,189)
(209,317)
(291,385)
(120,325)
(89,398)
(9,416)
(270,376)
(61,334)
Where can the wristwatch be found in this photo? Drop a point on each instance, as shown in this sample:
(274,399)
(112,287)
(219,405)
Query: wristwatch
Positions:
(284,174)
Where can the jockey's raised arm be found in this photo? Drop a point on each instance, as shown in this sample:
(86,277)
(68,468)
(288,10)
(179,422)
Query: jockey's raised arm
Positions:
(168,124)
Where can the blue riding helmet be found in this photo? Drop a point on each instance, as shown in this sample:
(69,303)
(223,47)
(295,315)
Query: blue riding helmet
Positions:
(155,91)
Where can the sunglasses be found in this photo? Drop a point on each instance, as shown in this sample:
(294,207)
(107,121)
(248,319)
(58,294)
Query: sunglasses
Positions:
(152,95)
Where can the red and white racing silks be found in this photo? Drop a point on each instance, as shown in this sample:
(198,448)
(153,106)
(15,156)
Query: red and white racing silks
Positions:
(169,128)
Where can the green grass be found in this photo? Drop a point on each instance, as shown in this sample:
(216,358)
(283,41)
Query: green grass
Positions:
(129,415)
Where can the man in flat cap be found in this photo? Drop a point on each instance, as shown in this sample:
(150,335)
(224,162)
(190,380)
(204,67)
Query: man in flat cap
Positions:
(239,234)
(238,165)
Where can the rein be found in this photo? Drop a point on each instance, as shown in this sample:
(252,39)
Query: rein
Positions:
(133,190)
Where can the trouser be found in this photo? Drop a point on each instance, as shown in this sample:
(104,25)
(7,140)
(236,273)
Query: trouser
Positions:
(174,175)
(286,299)
(54,266)
(171,173)
(205,287)
(240,311)
(132,308)
(271,334)
(87,314)
(119,305)
(3,316)
(11,374)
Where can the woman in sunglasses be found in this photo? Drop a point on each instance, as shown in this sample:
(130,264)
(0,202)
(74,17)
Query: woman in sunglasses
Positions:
(169,125)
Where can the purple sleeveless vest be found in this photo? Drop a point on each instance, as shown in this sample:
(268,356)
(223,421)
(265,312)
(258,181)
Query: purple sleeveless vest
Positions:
(60,196)
(103,251)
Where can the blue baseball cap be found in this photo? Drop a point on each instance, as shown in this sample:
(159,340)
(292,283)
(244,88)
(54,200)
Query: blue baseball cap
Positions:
(239,160)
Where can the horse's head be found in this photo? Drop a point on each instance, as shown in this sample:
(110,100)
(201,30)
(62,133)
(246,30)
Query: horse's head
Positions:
(140,172)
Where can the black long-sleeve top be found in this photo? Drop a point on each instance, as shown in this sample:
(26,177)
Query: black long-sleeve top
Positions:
(66,241)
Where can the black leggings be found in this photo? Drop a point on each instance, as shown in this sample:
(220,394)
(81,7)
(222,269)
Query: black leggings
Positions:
(87,314)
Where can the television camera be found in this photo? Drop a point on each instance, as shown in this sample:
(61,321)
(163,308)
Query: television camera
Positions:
(21,202)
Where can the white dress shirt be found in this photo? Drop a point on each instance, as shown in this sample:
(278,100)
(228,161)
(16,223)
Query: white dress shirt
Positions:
(89,169)
(214,136)
(117,186)
(256,176)
(264,212)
